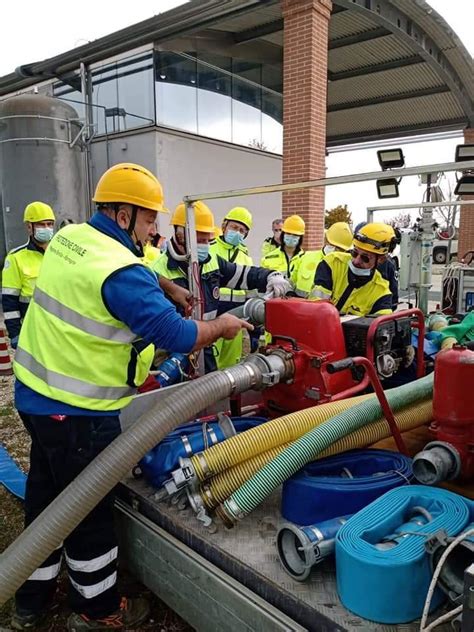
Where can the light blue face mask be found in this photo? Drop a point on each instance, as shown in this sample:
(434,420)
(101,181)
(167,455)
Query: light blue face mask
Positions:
(43,235)
(360,272)
(202,252)
(291,240)
(233,237)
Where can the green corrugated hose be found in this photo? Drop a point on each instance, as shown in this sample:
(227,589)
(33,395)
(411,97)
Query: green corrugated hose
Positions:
(309,446)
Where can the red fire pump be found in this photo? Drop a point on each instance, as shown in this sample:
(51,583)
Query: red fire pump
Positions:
(314,338)
(451,455)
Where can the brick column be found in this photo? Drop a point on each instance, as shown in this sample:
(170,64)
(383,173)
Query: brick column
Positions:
(466,222)
(305,41)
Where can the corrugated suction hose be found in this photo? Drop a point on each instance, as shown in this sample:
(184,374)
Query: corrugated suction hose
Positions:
(220,487)
(55,523)
(267,436)
(310,445)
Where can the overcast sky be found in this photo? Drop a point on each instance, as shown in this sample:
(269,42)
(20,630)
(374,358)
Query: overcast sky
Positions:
(36,30)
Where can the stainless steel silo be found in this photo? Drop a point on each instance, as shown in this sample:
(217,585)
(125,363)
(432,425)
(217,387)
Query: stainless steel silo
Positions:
(41,158)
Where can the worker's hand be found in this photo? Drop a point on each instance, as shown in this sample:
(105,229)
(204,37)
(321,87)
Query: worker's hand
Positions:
(277,285)
(232,325)
(14,342)
(182,297)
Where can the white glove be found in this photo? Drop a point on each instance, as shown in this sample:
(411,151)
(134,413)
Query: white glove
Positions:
(277,285)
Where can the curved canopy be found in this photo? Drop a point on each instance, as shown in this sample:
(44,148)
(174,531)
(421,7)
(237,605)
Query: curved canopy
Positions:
(395,66)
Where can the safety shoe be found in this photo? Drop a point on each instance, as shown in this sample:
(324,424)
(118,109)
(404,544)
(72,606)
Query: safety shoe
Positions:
(24,621)
(131,613)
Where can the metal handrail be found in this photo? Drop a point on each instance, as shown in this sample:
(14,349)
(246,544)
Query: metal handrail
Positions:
(325,182)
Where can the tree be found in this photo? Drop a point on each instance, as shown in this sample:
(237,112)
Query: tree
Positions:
(338,214)
(255,143)
(402,220)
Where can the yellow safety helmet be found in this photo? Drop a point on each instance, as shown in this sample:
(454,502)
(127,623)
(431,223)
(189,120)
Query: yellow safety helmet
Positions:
(339,235)
(375,238)
(240,214)
(38,212)
(294,225)
(202,215)
(130,184)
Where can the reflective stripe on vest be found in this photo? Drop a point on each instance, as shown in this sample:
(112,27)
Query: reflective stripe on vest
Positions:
(70,384)
(227,252)
(68,315)
(71,348)
(277,260)
(361,300)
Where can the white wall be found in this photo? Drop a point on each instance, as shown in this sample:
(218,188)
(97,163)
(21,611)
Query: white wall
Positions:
(187,164)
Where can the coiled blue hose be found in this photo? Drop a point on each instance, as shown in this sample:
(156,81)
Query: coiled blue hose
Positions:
(342,484)
(383,570)
(186,440)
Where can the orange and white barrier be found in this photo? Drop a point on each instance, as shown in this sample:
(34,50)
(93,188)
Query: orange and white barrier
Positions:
(5,362)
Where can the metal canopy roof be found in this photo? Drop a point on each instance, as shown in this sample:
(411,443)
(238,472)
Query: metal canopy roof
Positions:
(395,66)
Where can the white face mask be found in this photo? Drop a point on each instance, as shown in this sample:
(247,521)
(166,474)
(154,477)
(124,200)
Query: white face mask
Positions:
(43,235)
(328,248)
(291,240)
(360,272)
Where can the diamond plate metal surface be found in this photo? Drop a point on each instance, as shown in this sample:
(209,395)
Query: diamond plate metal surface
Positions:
(248,553)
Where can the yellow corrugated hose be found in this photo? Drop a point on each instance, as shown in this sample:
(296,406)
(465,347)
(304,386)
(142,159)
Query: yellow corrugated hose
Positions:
(269,435)
(220,487)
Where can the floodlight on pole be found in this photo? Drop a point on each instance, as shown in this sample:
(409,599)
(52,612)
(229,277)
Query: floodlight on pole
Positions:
(464,152)
(391,158)
(465,184)
(387,188)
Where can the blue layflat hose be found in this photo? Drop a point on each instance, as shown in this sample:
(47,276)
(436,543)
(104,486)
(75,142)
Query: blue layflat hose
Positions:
(10,474)
(186,440)
(383,570)
(342,484)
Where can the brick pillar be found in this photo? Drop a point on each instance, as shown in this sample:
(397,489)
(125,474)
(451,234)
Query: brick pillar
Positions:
(466,222)
(305,41)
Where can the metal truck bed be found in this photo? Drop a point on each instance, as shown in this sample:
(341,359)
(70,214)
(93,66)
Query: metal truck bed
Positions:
(229,580)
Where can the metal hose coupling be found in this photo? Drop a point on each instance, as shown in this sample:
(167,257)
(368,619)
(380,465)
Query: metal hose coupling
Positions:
(438,462)
(255,372)
(230,513)
(252,310)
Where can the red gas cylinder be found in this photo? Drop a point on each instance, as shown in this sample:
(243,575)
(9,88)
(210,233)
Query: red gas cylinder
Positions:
(453,404)
(311,332)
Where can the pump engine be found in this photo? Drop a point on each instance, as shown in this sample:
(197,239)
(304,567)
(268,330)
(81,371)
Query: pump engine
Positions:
(312,335)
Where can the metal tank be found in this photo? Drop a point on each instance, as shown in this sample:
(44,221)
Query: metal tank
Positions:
(41,158)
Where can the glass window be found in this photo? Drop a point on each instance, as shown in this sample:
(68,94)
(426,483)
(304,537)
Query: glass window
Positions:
(176,91)
(219,97)
(246,114)
(272,126)
(135,92)
(214,103)
(248,70)
(105,94)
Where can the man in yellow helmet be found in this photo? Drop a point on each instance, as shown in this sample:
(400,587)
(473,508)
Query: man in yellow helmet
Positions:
(287,257)
(215,272)
(86,344)
(337,238)
(230,245)
(22,266)
(351,281)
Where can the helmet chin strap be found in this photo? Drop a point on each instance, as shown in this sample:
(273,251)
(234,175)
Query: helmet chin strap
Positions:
(131,227)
